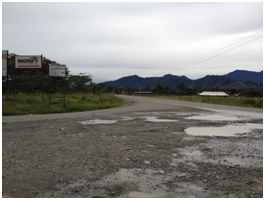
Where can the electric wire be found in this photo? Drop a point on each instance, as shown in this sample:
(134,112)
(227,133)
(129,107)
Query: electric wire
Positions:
(204,58)
(217,53)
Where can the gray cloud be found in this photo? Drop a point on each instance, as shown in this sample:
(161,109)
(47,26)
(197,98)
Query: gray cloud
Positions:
(110,40)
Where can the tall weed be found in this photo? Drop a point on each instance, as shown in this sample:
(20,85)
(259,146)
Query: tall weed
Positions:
(33,104)
(233,101)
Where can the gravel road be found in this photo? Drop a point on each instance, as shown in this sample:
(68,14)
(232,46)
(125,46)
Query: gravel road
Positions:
(148,148)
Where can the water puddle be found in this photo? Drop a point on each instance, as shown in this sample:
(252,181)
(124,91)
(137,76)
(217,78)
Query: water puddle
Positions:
(129,183)
(194,153)
(227,131)
(185,113)
(215,117)
(127,118)
(155,119)
(140,183)
(98,121)
(189,155)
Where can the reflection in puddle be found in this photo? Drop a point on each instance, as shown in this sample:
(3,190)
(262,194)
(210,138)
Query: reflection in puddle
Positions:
(230,130)
(214,118)
(154,119)
(98,121)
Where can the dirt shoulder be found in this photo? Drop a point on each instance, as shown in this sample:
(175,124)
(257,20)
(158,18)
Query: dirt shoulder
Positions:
(130,157)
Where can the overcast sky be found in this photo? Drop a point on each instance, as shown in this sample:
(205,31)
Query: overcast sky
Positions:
(113,40)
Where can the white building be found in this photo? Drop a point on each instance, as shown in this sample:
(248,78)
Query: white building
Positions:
(214,94)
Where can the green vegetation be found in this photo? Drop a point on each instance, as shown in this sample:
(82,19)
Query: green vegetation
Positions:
(31,86)
(37,80)
(33,103)
(256,102)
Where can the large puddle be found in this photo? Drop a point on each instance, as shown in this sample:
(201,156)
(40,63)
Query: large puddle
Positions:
(98,121)
(155,119)
(101,121)
(215,117)
(229,130)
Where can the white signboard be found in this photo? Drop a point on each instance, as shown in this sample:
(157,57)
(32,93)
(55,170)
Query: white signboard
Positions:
(28,62)
(4,62)
(57,70)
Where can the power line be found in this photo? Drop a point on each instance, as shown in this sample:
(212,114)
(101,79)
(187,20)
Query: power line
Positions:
(204,58)
(190,65)
(219,52)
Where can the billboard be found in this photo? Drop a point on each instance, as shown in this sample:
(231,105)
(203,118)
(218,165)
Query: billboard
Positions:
(57,70)
(28,62)
(4,62)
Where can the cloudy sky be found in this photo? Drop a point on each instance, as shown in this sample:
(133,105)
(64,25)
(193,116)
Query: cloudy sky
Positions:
(113,40)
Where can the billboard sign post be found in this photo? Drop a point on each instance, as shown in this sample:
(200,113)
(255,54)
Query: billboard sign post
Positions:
(28,61)
(4,62)
(57,70)
(4,69)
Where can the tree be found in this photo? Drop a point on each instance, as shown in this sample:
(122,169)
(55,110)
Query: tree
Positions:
(233,91)
(158,89)
(30,80)
(79,83)
(181,86)
(96,88)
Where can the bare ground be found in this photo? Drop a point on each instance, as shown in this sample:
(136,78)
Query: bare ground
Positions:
(130,158)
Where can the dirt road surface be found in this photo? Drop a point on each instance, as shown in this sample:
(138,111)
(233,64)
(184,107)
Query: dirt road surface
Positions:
(148,148)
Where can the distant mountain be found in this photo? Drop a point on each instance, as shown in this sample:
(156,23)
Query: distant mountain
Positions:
(129,81)
(212,81)
(243,85)
(238,79)
(139,82)
(243,75)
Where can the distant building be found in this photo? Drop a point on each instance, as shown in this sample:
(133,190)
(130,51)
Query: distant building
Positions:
(214,94)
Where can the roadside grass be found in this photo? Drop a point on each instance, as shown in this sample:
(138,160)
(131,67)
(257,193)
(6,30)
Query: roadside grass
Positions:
(24,104)
(231,100)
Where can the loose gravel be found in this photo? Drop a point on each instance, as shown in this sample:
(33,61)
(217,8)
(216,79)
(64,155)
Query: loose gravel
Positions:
(131,157)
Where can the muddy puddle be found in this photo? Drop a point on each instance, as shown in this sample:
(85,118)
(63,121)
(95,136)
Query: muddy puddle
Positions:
(226,131)
(126,118)
(155,119)
(215,117)
(98,121)
(146,118)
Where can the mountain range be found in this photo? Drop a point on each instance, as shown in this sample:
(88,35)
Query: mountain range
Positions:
(238,79)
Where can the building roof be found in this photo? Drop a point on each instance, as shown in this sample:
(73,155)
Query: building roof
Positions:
(208,93)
